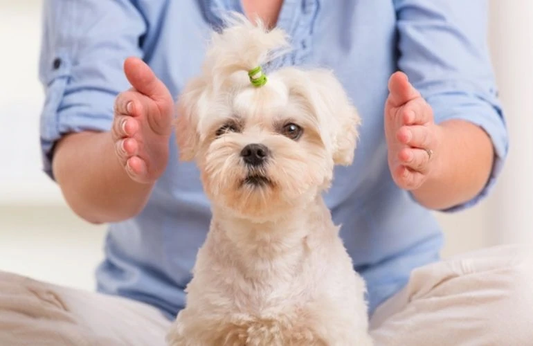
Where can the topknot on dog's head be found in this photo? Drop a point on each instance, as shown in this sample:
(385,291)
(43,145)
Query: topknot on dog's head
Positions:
(242,46)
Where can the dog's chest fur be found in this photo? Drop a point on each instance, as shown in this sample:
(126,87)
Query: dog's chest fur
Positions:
(273,284)
(272,269)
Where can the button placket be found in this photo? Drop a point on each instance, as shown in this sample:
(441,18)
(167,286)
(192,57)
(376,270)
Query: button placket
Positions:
(305,30)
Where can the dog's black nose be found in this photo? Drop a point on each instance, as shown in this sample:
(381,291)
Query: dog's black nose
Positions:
(254,154)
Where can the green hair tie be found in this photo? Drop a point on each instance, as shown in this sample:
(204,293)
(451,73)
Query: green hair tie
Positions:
(257,77)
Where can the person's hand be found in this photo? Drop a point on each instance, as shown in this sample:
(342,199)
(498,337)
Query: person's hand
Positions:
(413,138)
(142,125)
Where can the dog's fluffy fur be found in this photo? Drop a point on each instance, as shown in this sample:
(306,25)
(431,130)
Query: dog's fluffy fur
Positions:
(273,270)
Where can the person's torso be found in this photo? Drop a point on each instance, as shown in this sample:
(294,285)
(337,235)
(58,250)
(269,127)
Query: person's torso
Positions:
(387,234)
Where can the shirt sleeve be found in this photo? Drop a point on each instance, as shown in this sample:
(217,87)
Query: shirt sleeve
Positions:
(443,49)
(84,45)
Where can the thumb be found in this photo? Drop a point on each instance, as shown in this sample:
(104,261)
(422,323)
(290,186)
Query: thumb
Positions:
(401,91)
(143,79)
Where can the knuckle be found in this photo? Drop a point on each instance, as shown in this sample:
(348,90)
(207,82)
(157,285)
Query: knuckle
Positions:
(422,164)
(417,161)
(119,103)
(117,126)
(116,106)
(114,131)
(119,149)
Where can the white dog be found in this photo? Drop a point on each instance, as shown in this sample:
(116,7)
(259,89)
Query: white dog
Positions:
(273,270)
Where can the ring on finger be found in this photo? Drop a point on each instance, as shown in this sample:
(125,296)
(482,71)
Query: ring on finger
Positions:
(429,152)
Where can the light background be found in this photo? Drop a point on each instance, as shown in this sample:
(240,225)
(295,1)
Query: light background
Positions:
(40,236)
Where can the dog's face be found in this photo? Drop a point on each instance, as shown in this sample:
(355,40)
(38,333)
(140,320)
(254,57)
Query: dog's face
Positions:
(264,150)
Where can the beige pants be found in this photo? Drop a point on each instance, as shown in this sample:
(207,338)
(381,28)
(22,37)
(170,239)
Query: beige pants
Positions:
(484,298)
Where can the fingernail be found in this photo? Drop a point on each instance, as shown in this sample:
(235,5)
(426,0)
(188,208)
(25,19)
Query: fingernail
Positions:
(123,147)
(129,106)
(123,126)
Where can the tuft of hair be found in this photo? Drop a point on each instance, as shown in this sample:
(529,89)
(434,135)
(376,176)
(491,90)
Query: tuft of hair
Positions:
(242,46)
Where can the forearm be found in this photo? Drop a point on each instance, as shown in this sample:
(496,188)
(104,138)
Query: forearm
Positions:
(462,165)
(92,180)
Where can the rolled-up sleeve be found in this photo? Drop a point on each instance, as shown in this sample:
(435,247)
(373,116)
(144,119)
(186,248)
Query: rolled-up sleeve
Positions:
(84,45)
(443,49)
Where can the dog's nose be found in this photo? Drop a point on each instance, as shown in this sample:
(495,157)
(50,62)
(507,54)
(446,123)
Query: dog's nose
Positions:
(254,154)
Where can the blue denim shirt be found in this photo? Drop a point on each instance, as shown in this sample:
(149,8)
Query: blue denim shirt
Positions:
(440,44)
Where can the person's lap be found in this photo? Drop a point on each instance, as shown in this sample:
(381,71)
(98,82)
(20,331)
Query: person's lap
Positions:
(483,298)
(37,313)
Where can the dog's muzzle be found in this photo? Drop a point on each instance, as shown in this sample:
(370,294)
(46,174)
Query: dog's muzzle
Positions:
(254,154)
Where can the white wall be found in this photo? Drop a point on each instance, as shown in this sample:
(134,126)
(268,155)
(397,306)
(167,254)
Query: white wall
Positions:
(512,50)
(21,98)
(40,237)
(507,216)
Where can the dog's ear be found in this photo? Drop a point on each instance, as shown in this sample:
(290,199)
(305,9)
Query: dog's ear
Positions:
(337,114)
(346,134)
(189,108)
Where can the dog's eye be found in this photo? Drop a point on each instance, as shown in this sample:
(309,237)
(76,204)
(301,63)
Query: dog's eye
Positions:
(292,131)
(227,128)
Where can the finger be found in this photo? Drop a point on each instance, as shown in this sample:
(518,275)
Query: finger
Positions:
(415,136)
(143,79)
(136,168)
(415,159)
(400,90)
(124,102)
(131,147)
(416,112)
(130,103)
(408,179)
(124,126)
(120,151)
(126,148)
(404,135)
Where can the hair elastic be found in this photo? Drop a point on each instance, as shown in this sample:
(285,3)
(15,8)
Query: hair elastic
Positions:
(257,77)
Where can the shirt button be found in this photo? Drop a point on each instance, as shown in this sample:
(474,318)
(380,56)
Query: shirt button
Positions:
(57,63)
(308,6)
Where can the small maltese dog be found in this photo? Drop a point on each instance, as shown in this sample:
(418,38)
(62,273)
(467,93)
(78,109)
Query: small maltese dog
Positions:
(273,270)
